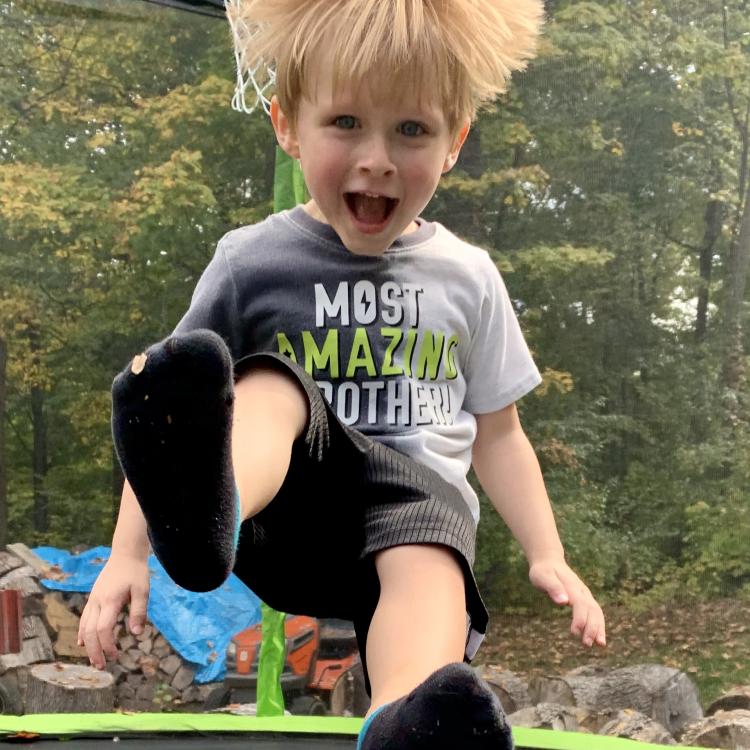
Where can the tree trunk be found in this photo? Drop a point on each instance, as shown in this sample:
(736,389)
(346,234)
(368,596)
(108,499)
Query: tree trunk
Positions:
(736,280)
(736,284)
(3,458)
(69,689)
(39,460)
(713,219)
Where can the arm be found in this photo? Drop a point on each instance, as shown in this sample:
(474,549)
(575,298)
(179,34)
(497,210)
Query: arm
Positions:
(123,580)
(509,472)
(130,536)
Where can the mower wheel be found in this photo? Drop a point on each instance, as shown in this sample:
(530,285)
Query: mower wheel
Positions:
(10,700)
(218,698)
(308,705)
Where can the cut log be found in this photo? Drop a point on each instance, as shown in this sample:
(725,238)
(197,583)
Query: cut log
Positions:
(663,693)
(33,651)
(58,614)
(23,579)
(666,695)
(725,729)
(636,726)
(8,562)
(738,697)
(67,644)
(69,688)
(545,716)
(30,558)
(511,690)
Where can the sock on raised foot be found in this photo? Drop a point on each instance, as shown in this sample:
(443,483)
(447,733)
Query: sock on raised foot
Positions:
(171,423)
(451,710)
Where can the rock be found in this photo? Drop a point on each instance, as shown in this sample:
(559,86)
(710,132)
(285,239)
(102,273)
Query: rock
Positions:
(127,642)
(146,645)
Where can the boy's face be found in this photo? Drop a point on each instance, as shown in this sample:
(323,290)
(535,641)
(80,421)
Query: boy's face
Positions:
(371,162)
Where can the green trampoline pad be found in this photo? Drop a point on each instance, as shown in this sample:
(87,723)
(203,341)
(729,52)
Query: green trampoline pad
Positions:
(214,731)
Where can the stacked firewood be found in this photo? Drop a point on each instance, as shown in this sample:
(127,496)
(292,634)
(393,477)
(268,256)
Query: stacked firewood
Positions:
(148,674)
(646,702)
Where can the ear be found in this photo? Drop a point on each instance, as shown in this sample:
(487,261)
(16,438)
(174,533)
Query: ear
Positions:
(452,157)
(284,129)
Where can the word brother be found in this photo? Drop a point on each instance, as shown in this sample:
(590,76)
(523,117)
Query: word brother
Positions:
(396,372)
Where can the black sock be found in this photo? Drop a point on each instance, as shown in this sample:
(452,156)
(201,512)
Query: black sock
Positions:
(171,422)
(451,710)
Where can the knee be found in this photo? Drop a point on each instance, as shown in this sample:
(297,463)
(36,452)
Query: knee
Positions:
(265,390)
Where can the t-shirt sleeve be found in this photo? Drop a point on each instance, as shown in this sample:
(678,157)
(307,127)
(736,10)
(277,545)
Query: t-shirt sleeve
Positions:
(214,304)
(499,368)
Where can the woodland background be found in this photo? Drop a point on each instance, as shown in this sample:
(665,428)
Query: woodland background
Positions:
(610,185)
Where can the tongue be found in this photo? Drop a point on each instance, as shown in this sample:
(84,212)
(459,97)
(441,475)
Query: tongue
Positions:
(369,210)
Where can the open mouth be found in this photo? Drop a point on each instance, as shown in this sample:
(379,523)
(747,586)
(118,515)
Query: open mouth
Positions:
(370,208)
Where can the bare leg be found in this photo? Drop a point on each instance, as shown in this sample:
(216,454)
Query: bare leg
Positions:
(424,698)
(420,622)
(270,413)
(173,427)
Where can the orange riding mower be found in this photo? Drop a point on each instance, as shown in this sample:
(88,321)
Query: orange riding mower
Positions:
(322,672)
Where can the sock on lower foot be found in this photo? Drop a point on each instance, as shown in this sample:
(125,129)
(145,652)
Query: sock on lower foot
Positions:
(453,709)
(171,423)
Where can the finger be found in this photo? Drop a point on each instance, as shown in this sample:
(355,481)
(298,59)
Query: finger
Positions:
(91,638)
(82,625)
(138,608)
(105,627)
(579,626)
(598,628)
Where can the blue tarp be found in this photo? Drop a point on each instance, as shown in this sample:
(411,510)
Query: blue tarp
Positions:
(197,626)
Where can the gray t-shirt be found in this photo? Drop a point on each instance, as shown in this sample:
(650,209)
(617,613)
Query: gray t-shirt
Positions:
(406,346)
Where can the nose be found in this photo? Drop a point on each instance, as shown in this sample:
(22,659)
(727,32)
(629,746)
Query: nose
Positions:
(374,158)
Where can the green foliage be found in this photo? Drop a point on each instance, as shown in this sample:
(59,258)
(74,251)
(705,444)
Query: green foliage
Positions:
(589,183)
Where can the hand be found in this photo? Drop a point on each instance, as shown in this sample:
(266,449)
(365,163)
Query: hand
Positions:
(123,579)
(564,587)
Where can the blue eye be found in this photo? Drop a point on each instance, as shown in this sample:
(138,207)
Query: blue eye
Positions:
(345,122)
(411,128)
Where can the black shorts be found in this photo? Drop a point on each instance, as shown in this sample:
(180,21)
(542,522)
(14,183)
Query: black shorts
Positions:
(345,497)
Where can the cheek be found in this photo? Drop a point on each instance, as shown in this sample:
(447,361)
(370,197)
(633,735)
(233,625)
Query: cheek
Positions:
(322,165)
(423,173)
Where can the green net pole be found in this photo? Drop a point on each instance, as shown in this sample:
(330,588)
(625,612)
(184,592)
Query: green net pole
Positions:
(288,190)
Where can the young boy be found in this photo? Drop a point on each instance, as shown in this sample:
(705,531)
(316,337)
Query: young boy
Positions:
(237,460)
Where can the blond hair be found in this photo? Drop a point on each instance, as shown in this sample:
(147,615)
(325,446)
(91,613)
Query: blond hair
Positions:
(466,48)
